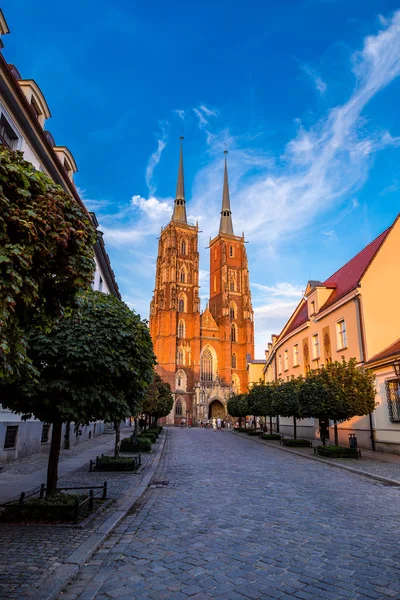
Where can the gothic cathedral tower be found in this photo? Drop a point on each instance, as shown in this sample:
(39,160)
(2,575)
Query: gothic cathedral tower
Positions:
(202,357)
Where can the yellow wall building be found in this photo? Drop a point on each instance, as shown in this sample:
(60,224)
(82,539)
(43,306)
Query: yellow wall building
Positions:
(353,313)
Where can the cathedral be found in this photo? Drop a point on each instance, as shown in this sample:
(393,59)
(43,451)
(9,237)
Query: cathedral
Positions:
(202,355)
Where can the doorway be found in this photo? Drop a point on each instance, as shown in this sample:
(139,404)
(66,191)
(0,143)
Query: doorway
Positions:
(216,409)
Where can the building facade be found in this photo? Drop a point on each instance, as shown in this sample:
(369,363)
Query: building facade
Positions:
(24,113)
(353,313)
(202,355)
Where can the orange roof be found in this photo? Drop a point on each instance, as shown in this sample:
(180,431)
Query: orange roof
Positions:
(386,353)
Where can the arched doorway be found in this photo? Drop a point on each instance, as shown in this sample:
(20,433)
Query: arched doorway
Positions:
(216,409)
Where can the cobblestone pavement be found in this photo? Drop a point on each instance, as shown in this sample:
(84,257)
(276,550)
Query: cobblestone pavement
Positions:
(238,520)
(29,553)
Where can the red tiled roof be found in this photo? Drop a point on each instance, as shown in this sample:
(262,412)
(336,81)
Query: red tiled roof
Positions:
(389,351)
(344,280)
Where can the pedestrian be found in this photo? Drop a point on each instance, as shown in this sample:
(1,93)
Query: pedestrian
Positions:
(183,423)
(201,424)
(219,423)
(229,424)
(214,424)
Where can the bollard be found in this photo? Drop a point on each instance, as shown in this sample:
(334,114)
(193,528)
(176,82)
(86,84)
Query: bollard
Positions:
(91,500)
(41,491)
(90,466)
(105,491)
(21,498)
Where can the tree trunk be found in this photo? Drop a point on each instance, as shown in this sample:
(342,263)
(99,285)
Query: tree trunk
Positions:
(270,424)
(277,423)
(336,433)
(117,438)
(294,428)
(135,431)
(254,423)
(52,467)
(67,444)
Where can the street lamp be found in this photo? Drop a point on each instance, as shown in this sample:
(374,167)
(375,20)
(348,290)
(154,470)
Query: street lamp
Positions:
(396,368)
(187,418)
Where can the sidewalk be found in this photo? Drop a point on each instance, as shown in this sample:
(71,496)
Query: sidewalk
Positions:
(13,483)
(37,561)
(381,466)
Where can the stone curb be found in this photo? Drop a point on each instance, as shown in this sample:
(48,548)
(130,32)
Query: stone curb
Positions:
(54,584)
(395,482)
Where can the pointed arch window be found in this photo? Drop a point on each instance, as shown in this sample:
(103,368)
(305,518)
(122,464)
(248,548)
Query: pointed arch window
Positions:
(181,305)
(179,356)
(183,247)
(231,251)
(233,361)
(207,365)
(182,276)
(178,408)
(181,329)
(232,285)
(233,333)
(232,311)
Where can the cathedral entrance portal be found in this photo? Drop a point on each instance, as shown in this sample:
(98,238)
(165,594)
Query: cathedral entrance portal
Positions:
(216,409)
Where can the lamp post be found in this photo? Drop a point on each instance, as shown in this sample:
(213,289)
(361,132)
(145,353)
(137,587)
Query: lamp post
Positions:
(187,418)
(396,368)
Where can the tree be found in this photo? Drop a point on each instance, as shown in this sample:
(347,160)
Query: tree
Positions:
(46,255)
(338,391)
(287,401)
(238,406)
(261,400)
(95,363)
(158,401)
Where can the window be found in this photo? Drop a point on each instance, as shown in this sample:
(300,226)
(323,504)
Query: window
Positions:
(341,335)
(207,365)
(231,251)
(178,408)
(232,285)
(232,311)
(315,346)
(100,284)
(312,307)
(393,400)
(7,134)
(233,332)
(296,355)
(286,359)
(67,167)
(181,305)
(178,381)
(179,356)
(279,364)
(233,361)
(11,437)
(181,329)
(215,254)
(215,283)
(183,247)
(182,276)
(45,433)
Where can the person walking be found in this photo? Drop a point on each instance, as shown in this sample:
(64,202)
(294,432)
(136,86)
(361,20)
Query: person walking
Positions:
(219,424)
(214,424)
(183,423)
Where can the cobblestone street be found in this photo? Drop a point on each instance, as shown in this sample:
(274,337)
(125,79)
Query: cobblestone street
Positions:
(239,520)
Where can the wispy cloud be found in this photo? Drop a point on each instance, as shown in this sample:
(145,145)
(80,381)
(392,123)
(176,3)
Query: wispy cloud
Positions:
(203,113)
(155,157)
(319,83)
(280,289)
(181,113)
(153,208)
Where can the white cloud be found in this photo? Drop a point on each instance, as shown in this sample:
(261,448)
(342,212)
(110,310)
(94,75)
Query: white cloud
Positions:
(155,157)
(154,209)
(317,79)
(203,113)
(280,289)
(181,113)
(330,235)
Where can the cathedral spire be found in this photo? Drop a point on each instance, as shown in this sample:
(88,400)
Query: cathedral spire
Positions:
(179,213)
(225,225)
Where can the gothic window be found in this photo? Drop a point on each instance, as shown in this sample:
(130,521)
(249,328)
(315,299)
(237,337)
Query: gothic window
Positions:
(233,361)
(182,276)
(183,247)
(232,310)
(181,305)
(178,408)
(231,251)
(181,329)
(207,365)
(179,357)
(233,333)
(215,283)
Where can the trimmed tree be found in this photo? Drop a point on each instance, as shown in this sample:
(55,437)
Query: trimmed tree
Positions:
(338,391)
(158,401)
(46,256)
(287,401)
(261,399)
(238,407)
(95,363)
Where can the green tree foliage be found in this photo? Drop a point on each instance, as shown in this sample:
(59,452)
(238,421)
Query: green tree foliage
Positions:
(158,401)
(238,406)
(46,255)
(338,391)
(287,401)
(95,363)
(261,401)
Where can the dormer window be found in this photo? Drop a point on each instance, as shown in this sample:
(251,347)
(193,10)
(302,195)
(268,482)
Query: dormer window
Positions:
(7,134)
(35,108)
(312,307)
(67,168)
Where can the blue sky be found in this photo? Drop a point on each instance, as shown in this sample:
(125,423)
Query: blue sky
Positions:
(304,94)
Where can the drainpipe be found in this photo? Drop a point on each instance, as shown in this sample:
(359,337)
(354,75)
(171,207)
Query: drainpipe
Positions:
(276,377)
(362,346)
